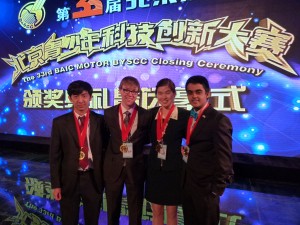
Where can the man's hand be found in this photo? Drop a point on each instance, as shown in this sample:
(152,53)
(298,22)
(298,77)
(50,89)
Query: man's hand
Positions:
(57,194)
(182,150)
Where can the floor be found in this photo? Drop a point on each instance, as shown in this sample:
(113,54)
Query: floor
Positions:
(25,196)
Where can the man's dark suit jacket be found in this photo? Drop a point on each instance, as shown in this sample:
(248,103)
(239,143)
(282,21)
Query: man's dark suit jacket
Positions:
(209,165)
(64,152)
(113,163)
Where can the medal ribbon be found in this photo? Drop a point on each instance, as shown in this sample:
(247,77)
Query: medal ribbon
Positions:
(191,129)
(162,126)
(126,130)
(82,135)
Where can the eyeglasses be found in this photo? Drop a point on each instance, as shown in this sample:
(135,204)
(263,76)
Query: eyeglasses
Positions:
(126,91)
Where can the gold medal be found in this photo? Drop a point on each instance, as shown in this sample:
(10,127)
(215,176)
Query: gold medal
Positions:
(123,148)
(158,147)
(81,154)
(186,150)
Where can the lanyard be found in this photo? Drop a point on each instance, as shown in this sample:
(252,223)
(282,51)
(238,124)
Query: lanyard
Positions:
(191,129)
(126,130)
(162,126)
(82,135)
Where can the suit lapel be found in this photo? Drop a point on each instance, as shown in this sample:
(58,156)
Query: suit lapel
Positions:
(140,115)
(140,119)
(72,127)
(198,129)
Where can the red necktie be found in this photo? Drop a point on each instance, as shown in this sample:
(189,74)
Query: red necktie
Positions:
(83,163)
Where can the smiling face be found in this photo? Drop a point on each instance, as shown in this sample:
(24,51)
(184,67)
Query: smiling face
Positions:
(129,93)
(197,95)
(165,96)
(81,102)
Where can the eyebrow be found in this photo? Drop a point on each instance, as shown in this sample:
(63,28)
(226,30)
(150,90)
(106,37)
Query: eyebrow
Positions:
(164,91)
(194,90)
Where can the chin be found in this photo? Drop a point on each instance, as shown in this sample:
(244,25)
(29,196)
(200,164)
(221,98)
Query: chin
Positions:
(83,109)
(130,104)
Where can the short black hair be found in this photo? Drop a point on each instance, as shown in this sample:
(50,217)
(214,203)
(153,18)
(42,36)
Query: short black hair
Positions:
(197,79)
(78,86)
(165,82)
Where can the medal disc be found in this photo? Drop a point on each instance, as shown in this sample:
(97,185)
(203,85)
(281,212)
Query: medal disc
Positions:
(123,148)
(158,147)
(81,155)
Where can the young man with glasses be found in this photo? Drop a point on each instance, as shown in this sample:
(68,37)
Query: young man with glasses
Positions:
(124,164)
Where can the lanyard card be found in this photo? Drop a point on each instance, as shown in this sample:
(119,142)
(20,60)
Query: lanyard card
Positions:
(128,154)
(162,154)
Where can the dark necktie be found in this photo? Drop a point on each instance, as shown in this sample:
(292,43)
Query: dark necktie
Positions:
(83,163)
(81,120)
(127,118)
(126,121)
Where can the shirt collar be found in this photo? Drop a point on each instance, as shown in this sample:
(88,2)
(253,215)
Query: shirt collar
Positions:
(174,114)
(129,110)
(77,115)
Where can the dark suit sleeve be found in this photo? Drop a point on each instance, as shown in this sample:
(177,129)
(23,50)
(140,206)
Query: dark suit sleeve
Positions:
(223,148)
(55,156)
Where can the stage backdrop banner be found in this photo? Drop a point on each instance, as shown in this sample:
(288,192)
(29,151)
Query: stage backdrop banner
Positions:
(248,50)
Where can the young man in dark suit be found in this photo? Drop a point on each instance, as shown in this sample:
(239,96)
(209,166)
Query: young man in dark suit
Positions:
(128,125)
(208,156)
(76,157)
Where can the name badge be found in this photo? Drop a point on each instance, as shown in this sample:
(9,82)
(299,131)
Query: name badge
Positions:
(128,154)
(162,153)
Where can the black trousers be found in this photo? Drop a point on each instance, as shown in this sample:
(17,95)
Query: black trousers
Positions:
(87,192)
(200,207)
(114,194)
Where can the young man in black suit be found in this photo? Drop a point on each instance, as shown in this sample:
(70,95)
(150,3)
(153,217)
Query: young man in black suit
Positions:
(128,125)
(76,157)
(208,156)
